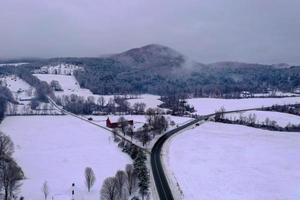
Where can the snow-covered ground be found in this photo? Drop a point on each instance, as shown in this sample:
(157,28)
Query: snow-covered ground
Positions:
(23,93)
(233,162)
(282,119)
(70,86)
(151,101)
(57,149)
(19,88)
(205,106)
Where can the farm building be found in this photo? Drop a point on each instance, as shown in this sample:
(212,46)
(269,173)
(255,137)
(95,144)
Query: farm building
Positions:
(110,124)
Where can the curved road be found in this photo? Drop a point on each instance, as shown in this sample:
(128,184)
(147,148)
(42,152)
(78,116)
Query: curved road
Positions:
(162,186)
(161,182)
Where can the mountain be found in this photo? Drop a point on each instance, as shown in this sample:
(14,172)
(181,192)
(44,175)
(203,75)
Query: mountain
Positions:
(158,69)
(159,57)
(151,56)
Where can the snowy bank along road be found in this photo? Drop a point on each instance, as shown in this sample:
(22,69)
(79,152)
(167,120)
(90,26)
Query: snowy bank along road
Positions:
(163,189)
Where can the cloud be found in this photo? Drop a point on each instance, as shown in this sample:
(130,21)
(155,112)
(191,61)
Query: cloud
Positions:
(205,30)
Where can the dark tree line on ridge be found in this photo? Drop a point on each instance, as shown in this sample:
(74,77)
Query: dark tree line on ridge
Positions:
(108,76)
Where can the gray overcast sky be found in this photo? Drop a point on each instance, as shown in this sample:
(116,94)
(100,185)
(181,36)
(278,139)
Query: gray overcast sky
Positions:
(265,31)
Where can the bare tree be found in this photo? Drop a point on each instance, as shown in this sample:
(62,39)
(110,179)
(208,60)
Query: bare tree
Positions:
(222,112)
(172,123)
(10,176)
(45,190)
(123,124)
(129,131)
(109,189)
(101,101)
(267,121)
(132,178)
(145,137)
(121,180)
(6,145)
(14,109)
(252,118)
(115,135)
(55,85)
(139,108)
(158,122)
(89,178)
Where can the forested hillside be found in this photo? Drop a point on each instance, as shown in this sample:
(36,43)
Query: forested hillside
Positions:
(161,70)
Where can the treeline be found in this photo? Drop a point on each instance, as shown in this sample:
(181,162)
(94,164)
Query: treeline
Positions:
(140,178)
(290,109)
(177,104)
(30,109)
(99,106)
(5,97)
(133,182)
(251,121)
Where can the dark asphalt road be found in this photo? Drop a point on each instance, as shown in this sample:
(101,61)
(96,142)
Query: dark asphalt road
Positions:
(160,179)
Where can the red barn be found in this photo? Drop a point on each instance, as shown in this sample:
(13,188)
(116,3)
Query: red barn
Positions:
(110,124)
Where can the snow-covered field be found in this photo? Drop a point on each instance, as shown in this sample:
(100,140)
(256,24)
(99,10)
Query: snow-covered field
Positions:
(19,88)
(205,106)
(68,84)
(282,119)
(151,101)
(57,149)
(233,162)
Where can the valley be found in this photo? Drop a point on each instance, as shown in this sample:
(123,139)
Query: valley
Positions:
(58,123)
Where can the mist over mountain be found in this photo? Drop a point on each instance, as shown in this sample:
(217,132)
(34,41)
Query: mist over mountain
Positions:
(163,57)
